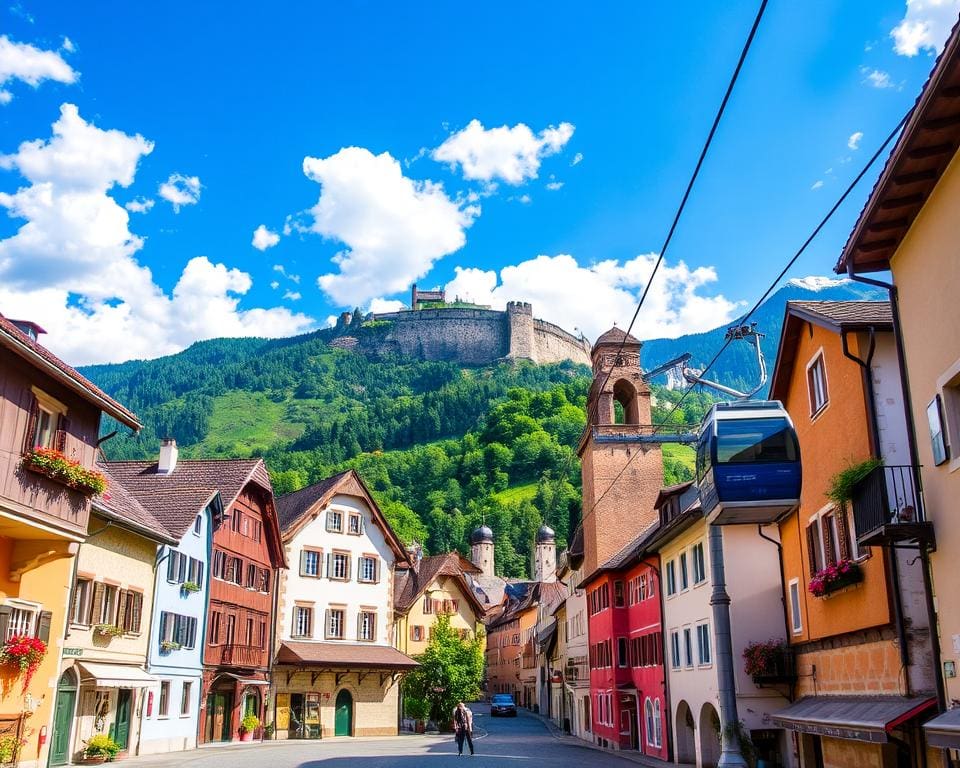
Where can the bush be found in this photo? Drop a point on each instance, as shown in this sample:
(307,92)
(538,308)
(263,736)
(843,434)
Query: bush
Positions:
(416,708)
(101,745)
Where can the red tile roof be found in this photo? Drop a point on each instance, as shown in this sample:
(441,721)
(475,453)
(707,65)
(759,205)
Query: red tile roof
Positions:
(118,504)
(343,655)
(20,344)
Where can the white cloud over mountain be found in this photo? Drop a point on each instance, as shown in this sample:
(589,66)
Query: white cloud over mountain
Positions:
(31,65)
(71,266)
(925,26)
(512,155)
(394,228)
(592,298)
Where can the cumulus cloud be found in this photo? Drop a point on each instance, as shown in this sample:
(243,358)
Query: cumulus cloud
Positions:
(854,141)
(292,295)
(180,190)
(577,159)
(876,78)
(925,26)
(512,155)
(393,228)
(31,65)
(592,298)
(553,186)
(263,238)
(274,284)
(74,256)
(380,304)
(68,45)
(139,205)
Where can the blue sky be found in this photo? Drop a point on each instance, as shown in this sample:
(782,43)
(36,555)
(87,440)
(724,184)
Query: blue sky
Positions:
(501,150)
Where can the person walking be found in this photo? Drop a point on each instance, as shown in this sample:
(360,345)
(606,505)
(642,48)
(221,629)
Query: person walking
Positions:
(463,727)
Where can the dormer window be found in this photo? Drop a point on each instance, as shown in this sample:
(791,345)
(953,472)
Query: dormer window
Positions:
(354,524)
(334,520)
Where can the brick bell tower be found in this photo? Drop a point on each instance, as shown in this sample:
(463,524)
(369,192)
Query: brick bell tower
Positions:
(615,516)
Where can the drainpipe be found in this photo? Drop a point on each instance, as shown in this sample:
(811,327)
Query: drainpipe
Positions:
(667,702)
(783,590)
(891,562)
(915,461)
(731,755)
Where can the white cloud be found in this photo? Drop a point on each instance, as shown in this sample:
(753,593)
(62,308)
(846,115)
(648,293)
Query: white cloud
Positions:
(577,159)
(594,297)
(180,190)
(292,295)
(876,77)
(510,154)
(274,284)
(925,26)
(68,45)
(263,238)
(394,228)
(854,141)
(380,305)
(553,186)
(817,184)
(331,321)
(31,65)
(74,258)
(140,205)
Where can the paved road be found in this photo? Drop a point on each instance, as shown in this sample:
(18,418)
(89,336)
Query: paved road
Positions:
(523,741)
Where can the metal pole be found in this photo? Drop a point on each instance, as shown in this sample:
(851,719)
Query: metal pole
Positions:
(730,754)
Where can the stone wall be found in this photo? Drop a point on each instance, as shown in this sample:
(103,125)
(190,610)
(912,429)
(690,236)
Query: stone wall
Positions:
(552,344)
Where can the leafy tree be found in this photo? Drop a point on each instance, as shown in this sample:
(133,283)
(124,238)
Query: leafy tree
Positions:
(450,671)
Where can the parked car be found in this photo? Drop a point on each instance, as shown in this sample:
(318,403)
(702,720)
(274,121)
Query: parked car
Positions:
(502,704)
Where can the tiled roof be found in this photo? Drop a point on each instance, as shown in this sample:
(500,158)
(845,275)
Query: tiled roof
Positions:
(117,503)
(177,498)
(409,584)
(846,313)
(292,506)
(21,344)
(616,336)
(343,655)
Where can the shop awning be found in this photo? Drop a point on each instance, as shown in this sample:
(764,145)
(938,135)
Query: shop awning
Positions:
(343,656)
(944,730)
(863,718)
(243,680)
(114,675)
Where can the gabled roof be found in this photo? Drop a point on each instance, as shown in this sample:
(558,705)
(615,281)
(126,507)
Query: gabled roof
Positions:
(118,505)
(410,583)
(40,357)
(297,509)
(669,492)
(615,336)
(177,498)
(835,316)
(926,146)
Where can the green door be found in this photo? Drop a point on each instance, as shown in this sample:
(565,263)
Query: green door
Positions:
(343,720)
(121,727)
(62,719)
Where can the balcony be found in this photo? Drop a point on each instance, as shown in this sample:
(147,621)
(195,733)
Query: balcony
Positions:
(242,655)
(888,508)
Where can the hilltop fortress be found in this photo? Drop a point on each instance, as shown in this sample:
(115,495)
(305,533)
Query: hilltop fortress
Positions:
(462,333)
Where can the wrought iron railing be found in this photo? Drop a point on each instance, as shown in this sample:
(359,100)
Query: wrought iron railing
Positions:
(890,497)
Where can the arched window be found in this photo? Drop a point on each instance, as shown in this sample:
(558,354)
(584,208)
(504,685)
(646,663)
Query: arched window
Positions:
(651,727)
(657,722)
(625,395)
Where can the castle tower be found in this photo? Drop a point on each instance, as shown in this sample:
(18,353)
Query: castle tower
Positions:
(617,507)
(520,343)
(481,549)
(545,556)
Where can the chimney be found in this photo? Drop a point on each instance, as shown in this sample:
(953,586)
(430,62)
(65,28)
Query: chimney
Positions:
(168,456)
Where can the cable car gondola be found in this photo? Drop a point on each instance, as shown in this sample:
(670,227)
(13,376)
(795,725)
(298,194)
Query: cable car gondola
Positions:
(748,463)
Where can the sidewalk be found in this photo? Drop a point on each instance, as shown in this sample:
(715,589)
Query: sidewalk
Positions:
(573,741)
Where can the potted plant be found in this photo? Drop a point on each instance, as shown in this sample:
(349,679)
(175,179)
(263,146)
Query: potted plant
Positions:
(169,645)
(24,653)
(54,465)
(100,748)
(768,662)
(248,725)
(110,630)
(841,574)
(268,730)
(189,586)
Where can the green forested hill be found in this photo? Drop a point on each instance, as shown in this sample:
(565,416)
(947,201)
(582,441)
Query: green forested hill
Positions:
(443,447)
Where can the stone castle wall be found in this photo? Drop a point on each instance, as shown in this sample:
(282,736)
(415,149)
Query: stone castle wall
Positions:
(474,336)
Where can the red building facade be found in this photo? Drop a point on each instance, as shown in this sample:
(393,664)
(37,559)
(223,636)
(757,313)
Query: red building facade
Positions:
(627,680)
(245,558)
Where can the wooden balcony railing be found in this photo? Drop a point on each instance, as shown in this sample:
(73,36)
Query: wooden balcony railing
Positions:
(888,508)
(242,655)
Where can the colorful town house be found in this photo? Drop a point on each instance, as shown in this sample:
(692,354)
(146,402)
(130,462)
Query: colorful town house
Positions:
(337,670)
(171,712)
(245,558)
(105,650)
(908,226)
(49,426)
(859,637)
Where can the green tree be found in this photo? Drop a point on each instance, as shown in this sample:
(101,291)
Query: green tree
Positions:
(451,670)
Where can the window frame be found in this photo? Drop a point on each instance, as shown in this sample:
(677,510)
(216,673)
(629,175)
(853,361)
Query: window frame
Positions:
(302,618)
(365,558)
(699,564)
(704,643)
(334,555)
(676,658)
(796,615)
(186,694)
(351,517)
(329,521)
(328,623)
(163,700)
(670,569)
(684,572)
(688,647)
(817,367)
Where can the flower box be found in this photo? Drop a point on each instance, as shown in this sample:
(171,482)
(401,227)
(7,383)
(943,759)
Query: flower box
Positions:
(25,654)
(169,645)
(108,630)
(57,467)
(189,586)
(841,574)
(769,663)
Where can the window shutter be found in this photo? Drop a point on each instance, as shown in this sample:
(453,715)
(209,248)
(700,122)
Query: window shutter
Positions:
(121,607)
(376,570)
(97,604)
(63,427)
(812,547)
(172,565)
(30,436)
(329,565)
(360,625)
(137,611)
(303,562)
(199,573)
(827,528)
(326,623)
(841,517)
(43,626)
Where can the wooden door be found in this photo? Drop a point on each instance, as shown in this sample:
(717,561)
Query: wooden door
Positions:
(63,719)
(121,728)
